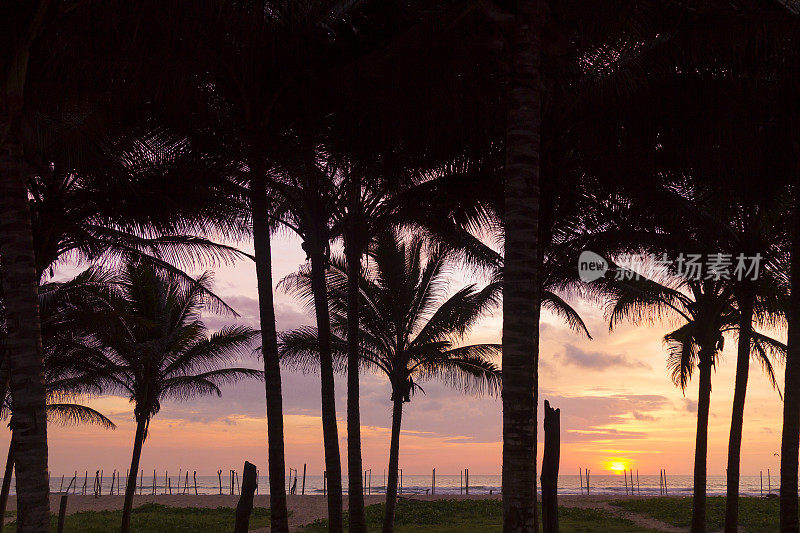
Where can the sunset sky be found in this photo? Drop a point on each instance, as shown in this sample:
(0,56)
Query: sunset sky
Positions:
(617,404)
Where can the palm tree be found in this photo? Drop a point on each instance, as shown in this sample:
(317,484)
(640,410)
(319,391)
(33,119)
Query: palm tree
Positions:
(409,329)
(758,226)
(521,298)
(65,377)
(21,28)
(60,410)
(150,344)
(707,312)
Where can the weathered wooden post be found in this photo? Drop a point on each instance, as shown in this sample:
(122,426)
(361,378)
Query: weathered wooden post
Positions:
(433,482)
(550,460)
(245,505)
(85,481)
(303,490)
(194,476)
(62,514)
(466,481)
(401,481)
(587,481)
(625,473)
(761,475)
(219,475)
(461,483)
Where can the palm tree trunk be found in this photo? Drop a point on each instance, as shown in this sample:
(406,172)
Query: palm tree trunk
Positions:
(130,486)
(4,492)
(355,491)
(279,521)
(737,418)
(330,433)
(394,460)
(790,440)
(23,345)
(701,444)
(521,285)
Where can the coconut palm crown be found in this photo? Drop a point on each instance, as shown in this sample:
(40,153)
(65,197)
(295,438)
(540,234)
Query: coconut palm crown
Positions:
(150,344)
(409,328)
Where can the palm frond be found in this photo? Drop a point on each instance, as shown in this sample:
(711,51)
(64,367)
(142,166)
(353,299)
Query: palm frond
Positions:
(74,414)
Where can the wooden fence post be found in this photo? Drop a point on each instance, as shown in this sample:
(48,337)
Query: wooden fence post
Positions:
(303,490)
(245,505)
(62,513)
(550,460)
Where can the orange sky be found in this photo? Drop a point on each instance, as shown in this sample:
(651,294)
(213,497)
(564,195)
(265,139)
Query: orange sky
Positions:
(617,405)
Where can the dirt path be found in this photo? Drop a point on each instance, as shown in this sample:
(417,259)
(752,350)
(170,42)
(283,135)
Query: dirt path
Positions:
(601,502)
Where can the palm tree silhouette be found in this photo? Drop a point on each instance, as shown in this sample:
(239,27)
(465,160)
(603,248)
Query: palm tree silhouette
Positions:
(150,344)
(707,312)
(409,329)
(66,378)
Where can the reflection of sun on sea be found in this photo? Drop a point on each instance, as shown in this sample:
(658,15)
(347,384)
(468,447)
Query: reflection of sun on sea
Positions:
(617,465)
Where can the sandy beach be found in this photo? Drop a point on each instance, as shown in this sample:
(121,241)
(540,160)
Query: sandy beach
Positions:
(305,509)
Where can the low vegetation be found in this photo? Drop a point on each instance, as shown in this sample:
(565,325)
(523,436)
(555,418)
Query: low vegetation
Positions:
(476,516)
(755,514)
(153,518)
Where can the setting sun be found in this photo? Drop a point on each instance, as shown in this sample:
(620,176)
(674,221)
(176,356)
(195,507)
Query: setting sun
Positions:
(617,465)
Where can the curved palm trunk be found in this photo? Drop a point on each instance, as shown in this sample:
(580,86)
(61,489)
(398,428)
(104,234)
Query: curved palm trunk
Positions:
(737,417)
(4,492)
(279,520)
(130,486)
(790,441)
(355,490)
(394,459)
(701,444)
(23,345)
(330,433)
(520,272)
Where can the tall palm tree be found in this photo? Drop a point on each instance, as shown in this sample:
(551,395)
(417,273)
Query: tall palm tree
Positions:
(758,227)
(521,298)
(21,28)
(707,311)
(409,329)
(151,344)
(65,378)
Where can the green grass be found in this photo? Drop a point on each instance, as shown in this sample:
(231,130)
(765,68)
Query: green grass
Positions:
(153,518)
(755,514)
(477,516)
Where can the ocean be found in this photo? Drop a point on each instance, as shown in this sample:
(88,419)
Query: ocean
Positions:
(645,485)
